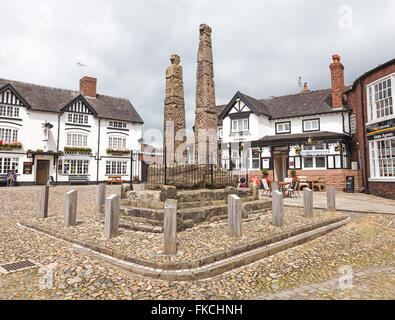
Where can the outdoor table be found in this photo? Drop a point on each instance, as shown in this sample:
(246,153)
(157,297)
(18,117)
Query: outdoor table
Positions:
(112,179)
(284,184)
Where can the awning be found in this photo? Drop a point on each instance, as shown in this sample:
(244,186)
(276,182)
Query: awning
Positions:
(76,157)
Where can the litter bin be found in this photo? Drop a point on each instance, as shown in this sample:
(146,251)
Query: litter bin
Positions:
(350,183)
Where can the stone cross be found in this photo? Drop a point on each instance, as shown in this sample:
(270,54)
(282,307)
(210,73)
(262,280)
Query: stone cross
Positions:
(205,113)
(234,216)
(308,202)
(331,198)
(174,113)
(277,209)
(170,227)
(42,202)
(100,197)
(111,220)
(70,209)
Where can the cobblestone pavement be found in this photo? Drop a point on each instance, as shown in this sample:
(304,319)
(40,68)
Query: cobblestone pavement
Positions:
(309,271)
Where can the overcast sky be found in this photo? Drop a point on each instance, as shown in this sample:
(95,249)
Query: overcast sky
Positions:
(260,47)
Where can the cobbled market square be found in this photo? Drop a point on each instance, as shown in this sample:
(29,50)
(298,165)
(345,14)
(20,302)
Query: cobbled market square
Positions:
(184,158)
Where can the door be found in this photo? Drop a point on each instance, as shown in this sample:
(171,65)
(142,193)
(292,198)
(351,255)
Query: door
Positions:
(42,173)
(280,167)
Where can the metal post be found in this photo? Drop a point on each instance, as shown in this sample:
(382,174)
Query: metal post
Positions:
(131,168)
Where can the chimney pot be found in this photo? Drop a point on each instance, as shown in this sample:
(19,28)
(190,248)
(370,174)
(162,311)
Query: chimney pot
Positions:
(336,58)
(88,86)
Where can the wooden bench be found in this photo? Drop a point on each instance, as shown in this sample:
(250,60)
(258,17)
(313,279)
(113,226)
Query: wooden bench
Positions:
(3,178)
(116,179)
(79,179)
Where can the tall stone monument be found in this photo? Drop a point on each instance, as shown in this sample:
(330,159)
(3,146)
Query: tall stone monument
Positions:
(174,113)
(205,114)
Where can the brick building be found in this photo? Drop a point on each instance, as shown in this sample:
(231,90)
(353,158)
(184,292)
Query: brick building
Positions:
(371,99)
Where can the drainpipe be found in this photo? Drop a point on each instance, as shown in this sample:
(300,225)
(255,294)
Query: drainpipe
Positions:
(57,149)
(98,154)
(364,140)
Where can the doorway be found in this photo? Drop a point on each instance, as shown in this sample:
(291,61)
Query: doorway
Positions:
(280,167)
(42,172)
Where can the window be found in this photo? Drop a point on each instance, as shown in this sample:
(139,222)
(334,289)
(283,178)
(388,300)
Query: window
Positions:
(311,125)
(77,118)
(117,124)
(8,164)
(220,133)
(77,140)
(9,111)
(8,135)
(116,143)
(382,157)
(312,161)
(116,167)
(240,125)
(283,127)
(73,167)
(380,100)
(256,158)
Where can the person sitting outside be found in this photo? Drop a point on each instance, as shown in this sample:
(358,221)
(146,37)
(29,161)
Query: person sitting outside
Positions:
(243,183)
(11,178)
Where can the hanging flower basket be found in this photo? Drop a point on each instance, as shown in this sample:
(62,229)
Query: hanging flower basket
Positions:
(76,149)
(298,150)
(10,146)
(115,151)
(338,148)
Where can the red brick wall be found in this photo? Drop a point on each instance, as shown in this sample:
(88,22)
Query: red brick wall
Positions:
(337,79)
(382,189)
(335,177)
(354,101)
(88,86)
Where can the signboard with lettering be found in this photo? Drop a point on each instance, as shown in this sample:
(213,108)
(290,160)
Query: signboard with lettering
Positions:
(315,152)
(266,163)
(381,130)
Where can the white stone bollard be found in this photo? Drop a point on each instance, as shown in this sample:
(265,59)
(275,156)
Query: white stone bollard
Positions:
(331,198)
(70,209)
(274,186)
(234,216)
(100,197)
(111,219)
(277,209)
(42,202)
(308,202)
(170,227)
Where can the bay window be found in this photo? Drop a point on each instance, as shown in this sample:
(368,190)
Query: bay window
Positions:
(73,167)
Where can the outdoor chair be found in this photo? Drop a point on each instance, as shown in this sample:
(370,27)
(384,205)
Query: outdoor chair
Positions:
(321,184)
(293,190)
(266,188)
(303,182)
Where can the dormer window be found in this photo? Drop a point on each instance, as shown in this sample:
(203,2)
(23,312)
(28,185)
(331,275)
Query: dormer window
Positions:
(77,118)
(283,127)
(117,124)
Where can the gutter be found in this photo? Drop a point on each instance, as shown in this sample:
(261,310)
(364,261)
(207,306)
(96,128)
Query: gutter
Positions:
(98,154)
(57,148)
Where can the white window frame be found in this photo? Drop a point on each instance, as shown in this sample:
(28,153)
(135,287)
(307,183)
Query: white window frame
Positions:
(80,167)
(283,124)
(116,167)
(77,118)
(9,111)
(371,99)
(117,124)
(7,164)
(8,135)
(77,140)
(375,150)
(314,167)
(311,121)
(256,157)
(117,143)
(240,123)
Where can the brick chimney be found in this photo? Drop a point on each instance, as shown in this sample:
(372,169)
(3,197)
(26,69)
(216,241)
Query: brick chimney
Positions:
(337,77)
(88,86)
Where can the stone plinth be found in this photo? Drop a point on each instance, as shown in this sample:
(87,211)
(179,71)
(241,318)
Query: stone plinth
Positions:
(70,209)
(170,227)
(308,202)
(42,202)
(234,216)
(277,209)
(111,220)
(331,198)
